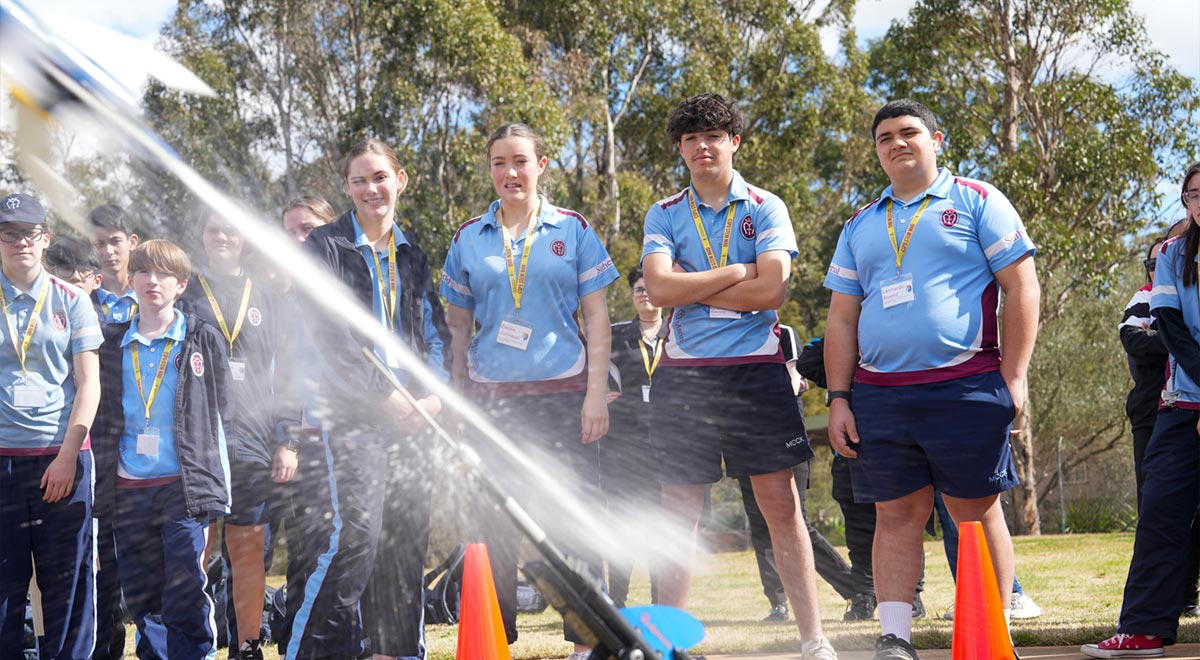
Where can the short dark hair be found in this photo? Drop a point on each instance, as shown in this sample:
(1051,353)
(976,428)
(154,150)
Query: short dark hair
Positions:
(704,112)
(71,255)
(110,216)
(635,275)
(905,108)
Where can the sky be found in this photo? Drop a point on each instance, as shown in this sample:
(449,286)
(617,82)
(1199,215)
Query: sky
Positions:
(1173,26)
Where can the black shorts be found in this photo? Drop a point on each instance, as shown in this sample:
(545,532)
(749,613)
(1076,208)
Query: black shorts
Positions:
(743,413)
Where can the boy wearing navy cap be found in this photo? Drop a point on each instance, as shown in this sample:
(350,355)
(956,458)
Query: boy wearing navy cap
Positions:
(49,388)
(163,468)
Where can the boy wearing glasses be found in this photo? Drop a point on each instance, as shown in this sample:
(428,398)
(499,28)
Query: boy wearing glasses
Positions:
(49,388)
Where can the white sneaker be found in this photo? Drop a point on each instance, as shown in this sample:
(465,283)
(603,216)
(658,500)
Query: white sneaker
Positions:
(818,648)
(579,655)
(1022,607)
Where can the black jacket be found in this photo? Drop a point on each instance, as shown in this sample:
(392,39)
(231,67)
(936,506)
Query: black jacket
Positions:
(1147,357)
(200,403)
(352,386)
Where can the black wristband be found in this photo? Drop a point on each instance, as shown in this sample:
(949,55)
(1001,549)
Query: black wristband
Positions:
(836,394)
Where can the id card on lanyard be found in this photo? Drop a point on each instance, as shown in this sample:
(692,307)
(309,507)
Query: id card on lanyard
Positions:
(237,368)
(713,261)
(650,364)
(514,332)
(899,290)
(26,394)
(147,438)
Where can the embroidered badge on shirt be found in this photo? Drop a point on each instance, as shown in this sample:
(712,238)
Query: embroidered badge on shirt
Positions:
(748,227)
(197,364)
(559,248)
(949,217)
(254,316)
(59,321)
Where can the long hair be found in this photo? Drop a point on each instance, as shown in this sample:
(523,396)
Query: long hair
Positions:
(1191,236)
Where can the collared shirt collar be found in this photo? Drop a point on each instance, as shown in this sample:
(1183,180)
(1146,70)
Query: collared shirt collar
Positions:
(939,188)
(11,291)
(106,296)
(360,238)
(546,215)
(738,191)
(177,331)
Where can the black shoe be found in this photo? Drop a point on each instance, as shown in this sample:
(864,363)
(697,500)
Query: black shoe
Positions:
(250,651)
(918,607)
(862,607)
(891,647)
(778,614)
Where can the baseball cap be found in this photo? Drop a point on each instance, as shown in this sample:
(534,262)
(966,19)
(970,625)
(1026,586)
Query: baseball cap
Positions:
(20,207)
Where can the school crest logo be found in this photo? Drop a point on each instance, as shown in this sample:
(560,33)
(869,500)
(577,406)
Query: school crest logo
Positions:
(559,248)
(59,321)
(949,218)
(197,362)
(747,227)
(13,204)
(254,316)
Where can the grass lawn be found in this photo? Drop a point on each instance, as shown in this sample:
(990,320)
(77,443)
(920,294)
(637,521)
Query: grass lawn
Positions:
(1077,580)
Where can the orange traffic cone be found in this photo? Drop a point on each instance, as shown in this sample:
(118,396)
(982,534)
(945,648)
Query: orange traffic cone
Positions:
(980,632)
(480,630)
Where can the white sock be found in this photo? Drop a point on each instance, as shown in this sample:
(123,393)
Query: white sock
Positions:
(895,618)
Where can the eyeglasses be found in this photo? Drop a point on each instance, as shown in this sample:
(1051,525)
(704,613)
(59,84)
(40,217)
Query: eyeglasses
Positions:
(14,235)
(639,290)
(1190,198)
(1149,264)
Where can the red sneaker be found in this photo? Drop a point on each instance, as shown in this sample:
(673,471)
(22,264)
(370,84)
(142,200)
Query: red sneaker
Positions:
(1121,645)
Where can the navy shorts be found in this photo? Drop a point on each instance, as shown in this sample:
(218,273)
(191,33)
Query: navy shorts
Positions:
(252,489)
(953,435)
(744,413)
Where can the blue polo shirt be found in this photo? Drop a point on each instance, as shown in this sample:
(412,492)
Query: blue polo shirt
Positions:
(1168,291)
(697,336)
(66,326)
(567,261)
(433,341)
(114,308)
(134,466)
(967,232)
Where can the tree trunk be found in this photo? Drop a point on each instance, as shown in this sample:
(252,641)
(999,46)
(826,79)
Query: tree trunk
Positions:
(1026,519)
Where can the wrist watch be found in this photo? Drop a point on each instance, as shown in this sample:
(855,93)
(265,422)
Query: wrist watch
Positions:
(836,394)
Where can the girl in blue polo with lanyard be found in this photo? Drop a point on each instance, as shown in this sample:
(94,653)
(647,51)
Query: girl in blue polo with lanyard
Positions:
(378,450)
(250,317)
(1154,590)
(520,272)
(49,390)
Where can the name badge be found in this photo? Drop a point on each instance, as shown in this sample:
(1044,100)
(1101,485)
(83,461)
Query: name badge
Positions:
(514,334)
(898,290)
(28,396)
(147,442)
(645,394)
(722,313)
(237,370)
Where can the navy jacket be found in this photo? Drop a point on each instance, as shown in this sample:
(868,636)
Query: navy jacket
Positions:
(200,403)
(352,384)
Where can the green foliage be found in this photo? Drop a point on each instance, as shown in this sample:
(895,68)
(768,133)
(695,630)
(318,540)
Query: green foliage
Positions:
(1101,515)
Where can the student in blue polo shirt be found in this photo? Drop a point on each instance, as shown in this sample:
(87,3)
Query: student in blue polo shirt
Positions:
(163,467)
(113,239)
(250,316)
(912,329)
(719,252)
(49,389)
(378,449)
(521,272)
(1155,586)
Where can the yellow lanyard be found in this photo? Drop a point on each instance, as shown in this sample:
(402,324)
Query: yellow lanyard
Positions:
(908,233)
(387,293)
(708,251)
(23,348)
(158,378)
(517,280)
(651,366)
(241,315)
